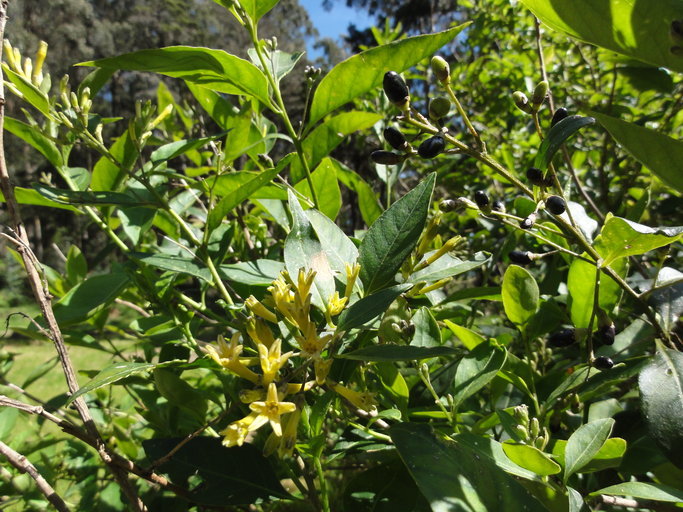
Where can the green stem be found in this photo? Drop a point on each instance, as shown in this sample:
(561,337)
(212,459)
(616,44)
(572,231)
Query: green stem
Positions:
(324,495)
(466,118)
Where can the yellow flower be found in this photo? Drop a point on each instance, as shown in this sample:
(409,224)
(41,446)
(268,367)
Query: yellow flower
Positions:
(322,370)
(283,296)
(310,343)
(259,309)
(228,357)
(289,434)
(235,433)
(362,400)
(259,332)
(272,360)
(304,282)
(270,411)
(352,272)
(335,304)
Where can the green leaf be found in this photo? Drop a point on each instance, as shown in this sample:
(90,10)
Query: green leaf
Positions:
(135,221)
(338,247)
(531,458)
(243,192)
(303,251)
(35,138)
(106,175)
(581,285)
(448,266)
(666,295)
(397,353)
(635,29)
(455,477)
(365,71)
(369,307)
(66,196)
(218,108)
(94,81)
(177,148)
(656,151)
(280,63)
(255,273)
(76,265)
(467,337)
(257,8)
(30,93)
(476,370)
(492,451)
(584,444)
(326,186)
(180,393)
(370,208)
(643,490)
(520,294)
(84,298)
(214,69)
(328,135)
(171,263)
(229,476)
(110,375)
(621,238)
(427,332)
(557,136)
(661,393)
(394,385)
(392,237)
(31,196)
(609,456)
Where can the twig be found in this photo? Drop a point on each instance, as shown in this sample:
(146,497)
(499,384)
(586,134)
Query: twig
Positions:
(42,298)
(22,464)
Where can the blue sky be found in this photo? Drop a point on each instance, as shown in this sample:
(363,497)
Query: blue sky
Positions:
(333,23)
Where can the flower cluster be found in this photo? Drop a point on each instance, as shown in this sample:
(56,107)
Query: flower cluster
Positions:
(275,399)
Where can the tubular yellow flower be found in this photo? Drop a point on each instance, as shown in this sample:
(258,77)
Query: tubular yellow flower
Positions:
(288,441)
(235,433)
(362,400)
(322,370)
(272,360)
(259,332)
(293,388)
(270,411)
(434,286)
(228,357)
(335,304)
(40,59)
(251,395)
(352,272)
(283,296)
(447,247)
(9,54)
(304,282)
(259,309)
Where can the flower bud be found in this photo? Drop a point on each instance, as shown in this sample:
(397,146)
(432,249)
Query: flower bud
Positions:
(534,427)
(521,101)
(558,116)
(438,108)
(540,92)
(396,90)
(431,147)
(522,432)
(395,138)
(441,70)
(521,414)
(386,157)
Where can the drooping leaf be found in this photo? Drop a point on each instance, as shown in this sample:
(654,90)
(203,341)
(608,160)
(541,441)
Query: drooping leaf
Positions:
(31,196)
(214,69)
(557,136)
(369,307)
(228,476)
(531,458)
(520,294)
(621,238)
(584,444)
(477,369)
(66,196)
(393,235)
(656,151)
(338,247)
(462,480)
(365,71)
(397,353)
(110,375)
(661,393)
(635,29)
(644,490)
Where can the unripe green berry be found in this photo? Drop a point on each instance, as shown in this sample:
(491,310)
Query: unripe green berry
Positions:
(540,92)
(441,69)
(522,102)
(431,147)
(396,90)
(386,157)
(438,108)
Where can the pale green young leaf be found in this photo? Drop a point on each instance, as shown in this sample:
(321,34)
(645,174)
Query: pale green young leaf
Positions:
(520,294)
(326,186)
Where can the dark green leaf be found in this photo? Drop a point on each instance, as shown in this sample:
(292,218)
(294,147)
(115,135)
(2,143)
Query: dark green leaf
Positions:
(110,375)
(66,196)
(557,136)
(255,273)
(35,138)
(106,175)
(369,207)
(229,476)
(584,444)
(177,148)
(656,151)
(397,353)
(365,71)
(520,294)
(393,236)
(477,369)
(184,265)
(369,307)
(31,196)
(448,266)
(661,392)
(213,69)
(455,477)
(81,300)
(643,490)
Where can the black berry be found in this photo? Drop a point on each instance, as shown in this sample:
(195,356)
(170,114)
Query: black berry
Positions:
(386,157)
(431,147)
(562,338)
(395,88)
(603,363)
(558,116)
(606,334)
(481,198)
(556,205)
(529,222)
(520,257)
(535,176)
(498,206)
(395,138)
